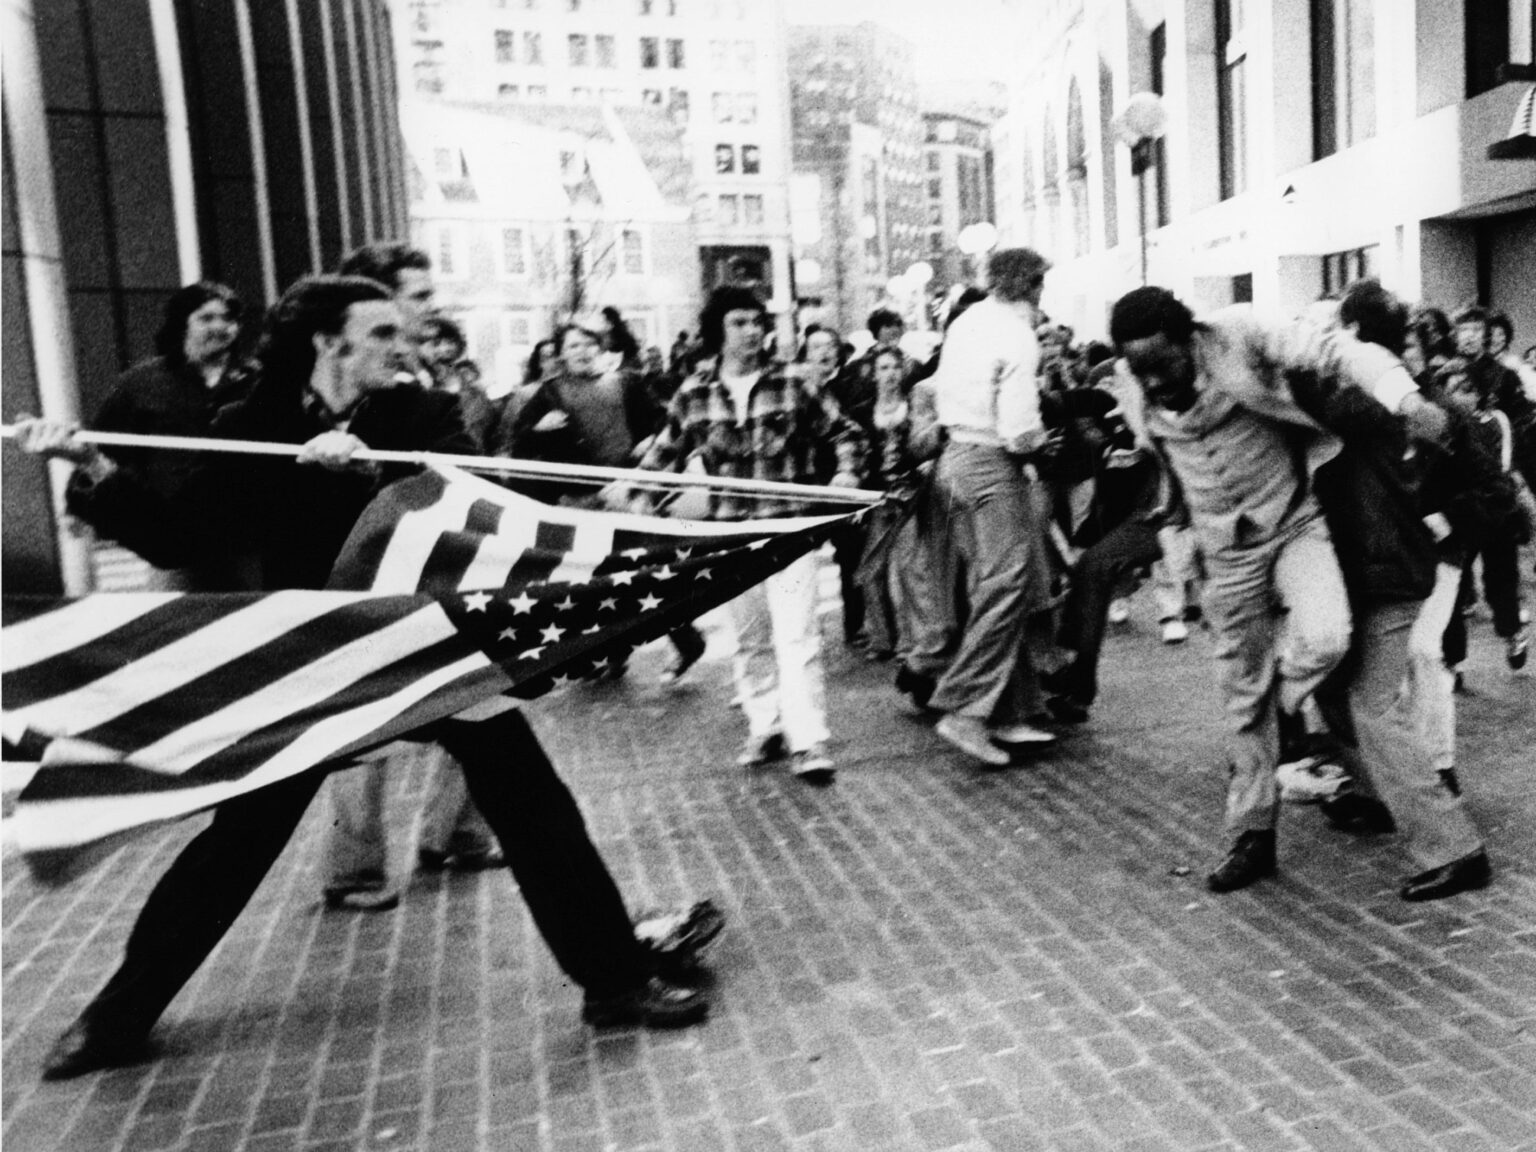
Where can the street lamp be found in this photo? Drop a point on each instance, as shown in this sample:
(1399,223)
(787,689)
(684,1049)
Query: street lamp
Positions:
(974,240)
(1139,126)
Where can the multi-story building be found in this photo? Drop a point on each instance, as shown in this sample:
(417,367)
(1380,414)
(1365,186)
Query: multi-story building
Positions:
(534,213)
(1306,142)
(957,187)
(858,144)
(716,67)
(149,145)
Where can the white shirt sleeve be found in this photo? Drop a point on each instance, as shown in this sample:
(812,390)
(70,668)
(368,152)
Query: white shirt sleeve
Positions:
(1018,392)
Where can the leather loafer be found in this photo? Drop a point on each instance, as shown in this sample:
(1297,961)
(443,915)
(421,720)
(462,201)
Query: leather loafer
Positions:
(654,1004)
(1251,857)
(82,1049)
(1462,875)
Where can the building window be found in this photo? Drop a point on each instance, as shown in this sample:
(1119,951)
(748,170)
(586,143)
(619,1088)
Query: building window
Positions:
(752,208)
(935,163)
(514,255)
(730,209)
(751,160)
(720,55)
(650,55)
(936,188)
(746,108)
(533,48)
(506,47)
(578,49)
(677,103)
(507,91)
(724,105)
(605,52)
(445,256)
(1231,98)
(675,54)
(936,242)
(935,214)
(429,77)
(725,159)
(1487,25)
(645,7)
(581,95)
(537,91)
(1343,75)
(634,252)
(651,96)
(746,55)
(1341,269)
(519,330)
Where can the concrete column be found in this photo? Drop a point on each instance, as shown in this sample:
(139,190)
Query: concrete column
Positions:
(47,313)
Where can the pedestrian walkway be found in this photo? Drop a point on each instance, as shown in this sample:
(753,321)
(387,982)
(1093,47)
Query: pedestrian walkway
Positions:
(923,956)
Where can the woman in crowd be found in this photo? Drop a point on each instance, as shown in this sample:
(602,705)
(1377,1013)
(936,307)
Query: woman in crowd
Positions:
(176,393)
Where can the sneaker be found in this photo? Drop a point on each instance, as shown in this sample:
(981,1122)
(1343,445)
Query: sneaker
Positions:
(759,753)
(812,765)
(1175,632)
(654,1004)
(1021,734)
(1517,648)
(1119,611)
(970,736)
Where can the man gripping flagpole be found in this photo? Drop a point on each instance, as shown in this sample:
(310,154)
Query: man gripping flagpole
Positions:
(326,368)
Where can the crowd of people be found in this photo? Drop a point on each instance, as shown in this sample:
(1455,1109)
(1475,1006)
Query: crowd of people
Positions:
(1318,493)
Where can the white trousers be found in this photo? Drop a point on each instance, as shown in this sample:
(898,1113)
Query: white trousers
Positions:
(778,657)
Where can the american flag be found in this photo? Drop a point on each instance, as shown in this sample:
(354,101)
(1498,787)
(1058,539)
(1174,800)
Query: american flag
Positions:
(146,707)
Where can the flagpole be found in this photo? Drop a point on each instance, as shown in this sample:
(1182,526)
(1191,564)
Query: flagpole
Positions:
(539,469)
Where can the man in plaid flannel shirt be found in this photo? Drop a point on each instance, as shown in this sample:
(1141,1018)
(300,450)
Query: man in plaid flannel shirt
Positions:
(744,419)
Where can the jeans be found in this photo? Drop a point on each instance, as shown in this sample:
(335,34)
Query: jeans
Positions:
(991,676)
(925,582)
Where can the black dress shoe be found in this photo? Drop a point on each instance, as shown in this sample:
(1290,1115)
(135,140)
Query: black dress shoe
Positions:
(1065,710)
(1251,857)
(1462,875)
(84,1049)
(654,1004)
(1451,781)
(1359,815)
(915,685)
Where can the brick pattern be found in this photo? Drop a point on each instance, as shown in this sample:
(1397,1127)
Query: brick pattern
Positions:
(922,957)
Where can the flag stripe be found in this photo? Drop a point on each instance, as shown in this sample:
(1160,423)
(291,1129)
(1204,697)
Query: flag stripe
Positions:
(157,626)
(168,666)
(73,626)
(270,657)
(287,696)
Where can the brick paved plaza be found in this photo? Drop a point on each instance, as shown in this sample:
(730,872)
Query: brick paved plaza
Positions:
(921,957)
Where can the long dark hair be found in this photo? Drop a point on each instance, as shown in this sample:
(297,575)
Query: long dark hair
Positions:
(171,339)
(620,338)
(316,304)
